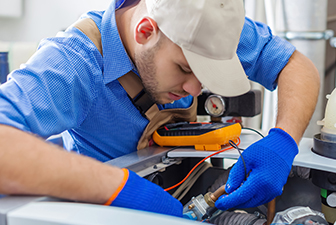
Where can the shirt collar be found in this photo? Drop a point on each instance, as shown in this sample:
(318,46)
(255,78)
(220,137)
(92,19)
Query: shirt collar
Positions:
(116,60)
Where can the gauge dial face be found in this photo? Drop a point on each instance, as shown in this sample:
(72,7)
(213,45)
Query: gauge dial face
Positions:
(214,105)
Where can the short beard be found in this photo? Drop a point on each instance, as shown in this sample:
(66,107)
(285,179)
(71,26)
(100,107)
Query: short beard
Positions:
(144,62)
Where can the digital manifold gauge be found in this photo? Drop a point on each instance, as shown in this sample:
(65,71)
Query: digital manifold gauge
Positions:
(214,105)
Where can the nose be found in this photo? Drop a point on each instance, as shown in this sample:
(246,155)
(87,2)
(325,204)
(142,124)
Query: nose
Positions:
(192,85)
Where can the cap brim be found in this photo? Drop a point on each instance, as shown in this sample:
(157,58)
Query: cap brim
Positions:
(222,77)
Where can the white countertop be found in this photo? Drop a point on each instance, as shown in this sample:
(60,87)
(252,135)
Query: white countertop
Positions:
(305,158)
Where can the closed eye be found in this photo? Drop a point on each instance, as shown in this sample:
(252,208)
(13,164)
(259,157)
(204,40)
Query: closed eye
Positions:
(185,70)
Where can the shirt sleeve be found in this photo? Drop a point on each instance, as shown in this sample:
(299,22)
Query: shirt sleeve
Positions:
(53,91)
(262,54)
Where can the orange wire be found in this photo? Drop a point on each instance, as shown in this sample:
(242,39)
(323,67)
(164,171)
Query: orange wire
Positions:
(179,183)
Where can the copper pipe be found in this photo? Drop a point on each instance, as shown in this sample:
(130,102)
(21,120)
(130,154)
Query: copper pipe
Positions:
(219,192)
(270,211)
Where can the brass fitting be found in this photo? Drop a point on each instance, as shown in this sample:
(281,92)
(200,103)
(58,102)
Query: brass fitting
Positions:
(211,198)
(191,206)
(208,199)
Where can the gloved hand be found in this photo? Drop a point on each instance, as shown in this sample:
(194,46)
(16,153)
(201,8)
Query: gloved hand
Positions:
(139,193)
(268,163)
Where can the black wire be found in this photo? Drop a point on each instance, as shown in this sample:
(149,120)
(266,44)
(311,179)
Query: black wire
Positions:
(239,151)
(246,128)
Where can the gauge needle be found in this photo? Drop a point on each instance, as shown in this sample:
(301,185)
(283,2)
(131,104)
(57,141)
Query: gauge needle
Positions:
(213,104)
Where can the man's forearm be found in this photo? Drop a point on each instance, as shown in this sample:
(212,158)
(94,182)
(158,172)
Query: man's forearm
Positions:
(29,165)
(298,89)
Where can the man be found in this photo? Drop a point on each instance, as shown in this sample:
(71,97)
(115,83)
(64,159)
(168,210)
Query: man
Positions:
(175,47)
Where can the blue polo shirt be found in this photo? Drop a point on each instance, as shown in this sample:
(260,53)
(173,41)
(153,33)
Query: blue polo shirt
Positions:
(68,86)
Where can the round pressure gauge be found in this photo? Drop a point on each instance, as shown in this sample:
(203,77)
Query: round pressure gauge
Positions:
(214,105)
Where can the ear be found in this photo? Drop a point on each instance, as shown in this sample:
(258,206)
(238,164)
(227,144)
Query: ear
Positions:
(145,30)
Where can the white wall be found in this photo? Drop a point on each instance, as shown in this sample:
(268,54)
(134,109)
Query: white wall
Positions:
(255,9)
(39,19)
(44,18)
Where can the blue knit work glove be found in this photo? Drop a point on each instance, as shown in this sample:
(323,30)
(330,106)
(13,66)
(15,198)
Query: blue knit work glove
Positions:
(268,163)
(138,193)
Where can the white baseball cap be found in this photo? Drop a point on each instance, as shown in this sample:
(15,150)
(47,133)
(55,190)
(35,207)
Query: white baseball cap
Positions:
(208,31)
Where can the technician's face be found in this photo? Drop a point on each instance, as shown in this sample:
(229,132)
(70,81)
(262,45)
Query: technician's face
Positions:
(165,73)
